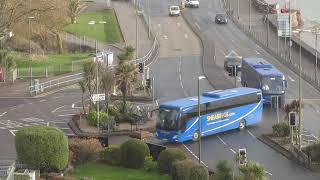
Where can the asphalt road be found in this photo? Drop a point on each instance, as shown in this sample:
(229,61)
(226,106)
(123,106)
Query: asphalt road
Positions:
(169,85)
(55,108)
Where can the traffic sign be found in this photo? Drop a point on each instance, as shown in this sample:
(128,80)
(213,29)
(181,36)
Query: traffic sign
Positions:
(292,118)
(98,97)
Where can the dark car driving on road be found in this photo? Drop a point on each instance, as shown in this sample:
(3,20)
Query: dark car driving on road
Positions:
(221,19)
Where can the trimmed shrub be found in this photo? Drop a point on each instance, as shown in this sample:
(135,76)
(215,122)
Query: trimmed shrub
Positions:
(167,157)
(84,150)
(42,147)
(199,172)
(93,118)
(224,171)
(281,129)
(111,155)
(150,165)
(133,153)
(181,169)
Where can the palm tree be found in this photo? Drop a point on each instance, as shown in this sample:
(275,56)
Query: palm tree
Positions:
(89,69)
(126,76)
(107,80)
(83,88)
(252,171)
(223,171)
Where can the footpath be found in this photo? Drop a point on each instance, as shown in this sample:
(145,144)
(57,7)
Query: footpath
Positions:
(127,22)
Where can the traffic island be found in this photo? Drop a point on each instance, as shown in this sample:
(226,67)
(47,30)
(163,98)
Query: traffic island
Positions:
(290,151)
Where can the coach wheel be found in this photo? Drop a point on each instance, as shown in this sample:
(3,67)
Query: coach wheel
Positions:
(242,124)
(195,136)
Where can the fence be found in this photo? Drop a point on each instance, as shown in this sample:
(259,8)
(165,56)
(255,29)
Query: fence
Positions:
(53,70)
(276,48)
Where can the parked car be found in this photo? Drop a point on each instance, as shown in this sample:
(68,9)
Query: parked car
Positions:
(221,19)
(174,11)
(192,3)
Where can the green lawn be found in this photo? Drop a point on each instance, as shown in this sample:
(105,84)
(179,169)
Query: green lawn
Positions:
(109,32)
(55,63)
(97,171)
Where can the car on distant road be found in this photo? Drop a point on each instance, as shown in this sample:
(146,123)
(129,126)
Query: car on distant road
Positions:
(192,3)
(174,11)
(221,19)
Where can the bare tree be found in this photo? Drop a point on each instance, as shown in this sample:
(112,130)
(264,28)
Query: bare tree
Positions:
(74,9)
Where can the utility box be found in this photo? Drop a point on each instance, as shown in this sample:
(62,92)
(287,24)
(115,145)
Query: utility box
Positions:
(36,85)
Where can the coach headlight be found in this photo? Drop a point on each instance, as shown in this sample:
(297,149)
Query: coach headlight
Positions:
(265,87)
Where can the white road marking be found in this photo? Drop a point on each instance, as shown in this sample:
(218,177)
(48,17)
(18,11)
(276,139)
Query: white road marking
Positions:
(233,151)
(62,115)
(165,37)
(197,25)
(159,25)
(3,114)
(63,128)
(13,132)
(186,36)
(30,103)
(222,140)
(257,52)
(56,109)
(178,24)
(180,77)
(2,128)
(72,105)
(13,109)
(222,52)
(43,100)
(157,103)
(251,134)
(268,173)
(57,97)
(194,154)
(291,79)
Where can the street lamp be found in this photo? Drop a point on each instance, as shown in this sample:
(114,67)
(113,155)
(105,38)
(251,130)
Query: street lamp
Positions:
(300,90)
(30,59)
(199,116)
(97,71)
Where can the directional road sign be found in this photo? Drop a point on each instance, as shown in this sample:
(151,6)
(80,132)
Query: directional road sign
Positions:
(98,97)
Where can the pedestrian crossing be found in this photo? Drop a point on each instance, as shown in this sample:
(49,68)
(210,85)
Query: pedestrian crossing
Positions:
(63,126)
(19,123)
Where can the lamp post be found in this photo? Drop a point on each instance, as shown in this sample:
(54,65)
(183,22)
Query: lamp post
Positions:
(199,116)
(300,90)
(30,59)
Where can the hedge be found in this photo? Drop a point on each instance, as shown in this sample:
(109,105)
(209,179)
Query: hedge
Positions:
(181,169)
(42,147)
(133,153)
(168,157)
(281,129)
(84,150)
(111,155)
(313,151)
(199,172)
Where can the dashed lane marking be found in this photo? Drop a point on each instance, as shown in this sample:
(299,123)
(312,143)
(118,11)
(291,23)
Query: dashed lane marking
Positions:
(3,114)
(251,134)
(194,155)
(62,115)
(197,25)
(72,106)
(222,140)
(291,79)
(186,36)
(233,151)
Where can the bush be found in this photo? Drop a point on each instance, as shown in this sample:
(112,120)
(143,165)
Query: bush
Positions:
(281,129)
(150,165)
(133,153)
(93,118)
(223,171)
(84,150)
(111,155)
(168,157)
(42,147)
(181,169)
(313,151)
(199,172)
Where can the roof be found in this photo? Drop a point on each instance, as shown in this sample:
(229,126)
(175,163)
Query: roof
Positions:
(263,67)
(207,97)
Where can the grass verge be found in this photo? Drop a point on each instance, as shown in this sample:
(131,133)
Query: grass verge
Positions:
(109,32)
(98,171)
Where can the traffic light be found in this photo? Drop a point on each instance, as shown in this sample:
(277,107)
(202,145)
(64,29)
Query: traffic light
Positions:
(242,156)
(148,83)
(141,67)
(292,118)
